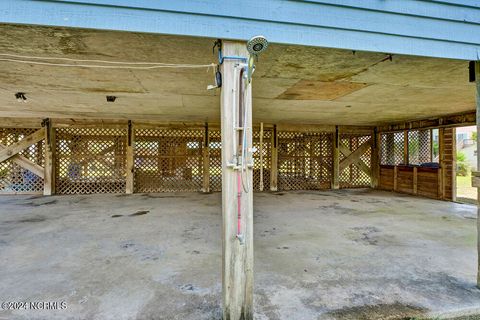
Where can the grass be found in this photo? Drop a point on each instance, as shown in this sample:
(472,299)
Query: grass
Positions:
(465,191)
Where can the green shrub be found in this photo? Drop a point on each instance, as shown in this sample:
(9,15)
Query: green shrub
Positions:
(463,169)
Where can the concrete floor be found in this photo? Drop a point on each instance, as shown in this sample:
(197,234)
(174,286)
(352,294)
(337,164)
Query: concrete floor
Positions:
(348,254)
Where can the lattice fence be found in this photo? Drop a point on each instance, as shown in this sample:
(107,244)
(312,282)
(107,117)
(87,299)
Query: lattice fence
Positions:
(267,159)
(168,160)
(90,160)
(391,148)
(305,160)
(215,149)
(419,147)
(357,174)
(14,178)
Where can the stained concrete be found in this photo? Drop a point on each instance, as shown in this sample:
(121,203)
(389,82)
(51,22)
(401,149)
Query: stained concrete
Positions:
(348,254)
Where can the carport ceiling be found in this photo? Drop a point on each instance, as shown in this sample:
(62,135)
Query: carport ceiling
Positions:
(291,84)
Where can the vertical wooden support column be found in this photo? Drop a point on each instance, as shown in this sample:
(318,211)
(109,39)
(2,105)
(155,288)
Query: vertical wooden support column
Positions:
(395,178)
(237,259)
(440,184)
(375,161)
(49,171)
(441,161)
(415,180)
(261,156)
(454,165)
(130,160)
(447,162)
(405,147)
(274,157)
(206,161)
(336,159)
(477,82)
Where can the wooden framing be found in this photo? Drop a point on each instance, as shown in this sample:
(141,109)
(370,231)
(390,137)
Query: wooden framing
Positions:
(375,160)
(455,120)
(476,174)
(206,161)
(237,267)
(274,156)
(49,175)
(339,151)
(395,178)
(336,160)
(129,186)
(261,156)
(10,151)
(354,157)
(27,164)
(437,183)
(422,181)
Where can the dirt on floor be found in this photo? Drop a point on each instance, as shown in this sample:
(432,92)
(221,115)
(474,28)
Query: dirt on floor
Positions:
(346,254)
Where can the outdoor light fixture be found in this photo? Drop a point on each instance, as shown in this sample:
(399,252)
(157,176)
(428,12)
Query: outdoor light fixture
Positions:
(20,96)
(111,98)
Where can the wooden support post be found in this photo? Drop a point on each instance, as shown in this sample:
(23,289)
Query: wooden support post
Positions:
(49,170)
(130,159)
(440,184)
(336,159)
(237,266)
(405,148)
(477,82)
(274,157)
(375,161)
(261,156)
(206,161)
(395,179)
(454,165)
(415,180)
(441,160)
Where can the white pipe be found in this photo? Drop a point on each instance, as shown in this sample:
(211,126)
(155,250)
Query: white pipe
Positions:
(234,120)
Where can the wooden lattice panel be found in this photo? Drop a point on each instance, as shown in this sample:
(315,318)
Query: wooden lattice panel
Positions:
(215,150)
(391,148)
(90,160)
(267,159)
(419,147)
(168,160)
(305,160)
(14,178)
(353,176)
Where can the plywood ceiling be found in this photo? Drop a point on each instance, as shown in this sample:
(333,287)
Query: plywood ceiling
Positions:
(291,84)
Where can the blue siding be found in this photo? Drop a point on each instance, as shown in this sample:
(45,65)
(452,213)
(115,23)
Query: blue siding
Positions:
(448,29)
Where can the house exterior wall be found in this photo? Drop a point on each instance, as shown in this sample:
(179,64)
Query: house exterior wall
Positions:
(445,29)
